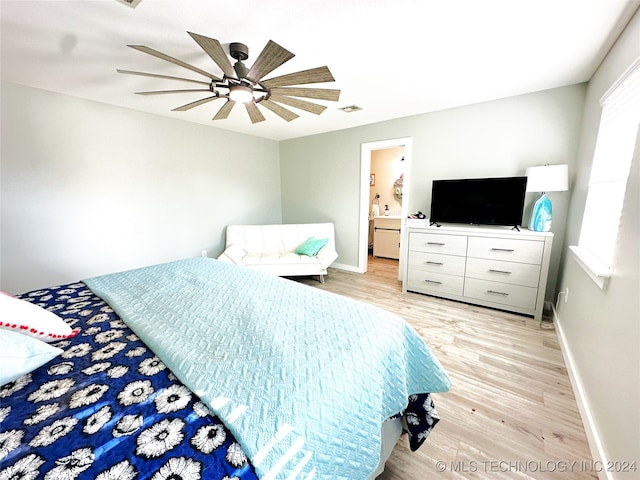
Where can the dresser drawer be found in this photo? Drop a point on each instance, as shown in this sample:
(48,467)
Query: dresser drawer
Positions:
(525,274)
(525,251)
(435,243)
(434,283)
(501,293)
(434,262)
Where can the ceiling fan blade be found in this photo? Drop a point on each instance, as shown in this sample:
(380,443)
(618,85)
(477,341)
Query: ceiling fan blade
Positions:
(271,57)
(175,61)
(313,75)
(161,92)
(279,110)
(254,113)
(155,75)
(213,48)
(319,93)
(301,104)
(224,112)
(197,103)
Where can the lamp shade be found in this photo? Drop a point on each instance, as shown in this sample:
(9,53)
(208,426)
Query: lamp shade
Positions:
(548,178)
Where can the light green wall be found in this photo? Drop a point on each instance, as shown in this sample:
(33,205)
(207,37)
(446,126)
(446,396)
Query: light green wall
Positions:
(602,328)
(88,188)
(319,176)
(168,185)
(321,173)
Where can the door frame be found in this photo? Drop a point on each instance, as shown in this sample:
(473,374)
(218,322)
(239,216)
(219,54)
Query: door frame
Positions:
(366,150)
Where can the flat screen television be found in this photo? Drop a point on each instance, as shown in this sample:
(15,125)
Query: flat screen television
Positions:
(479,201)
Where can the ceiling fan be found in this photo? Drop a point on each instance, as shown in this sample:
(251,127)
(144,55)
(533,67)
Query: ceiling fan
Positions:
(240,84)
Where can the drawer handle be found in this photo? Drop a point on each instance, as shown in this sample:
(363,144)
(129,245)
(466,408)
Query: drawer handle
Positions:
(498,293)
(499,271)
(433,263)
(436,243)
(433,281)
(502,250)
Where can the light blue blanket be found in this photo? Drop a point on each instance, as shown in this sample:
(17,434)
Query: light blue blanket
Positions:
(302,377)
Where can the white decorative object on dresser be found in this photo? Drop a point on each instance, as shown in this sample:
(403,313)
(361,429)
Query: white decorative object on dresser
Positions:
(491,266)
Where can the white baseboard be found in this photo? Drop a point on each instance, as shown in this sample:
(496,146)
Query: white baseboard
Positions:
(348,268)
(595,445)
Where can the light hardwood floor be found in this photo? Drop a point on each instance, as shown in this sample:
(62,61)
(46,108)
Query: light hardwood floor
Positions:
(511,412)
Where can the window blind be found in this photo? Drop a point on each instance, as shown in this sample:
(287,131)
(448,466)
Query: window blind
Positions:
(615,144)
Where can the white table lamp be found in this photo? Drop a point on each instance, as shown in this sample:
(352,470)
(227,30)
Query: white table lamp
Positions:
(549,178)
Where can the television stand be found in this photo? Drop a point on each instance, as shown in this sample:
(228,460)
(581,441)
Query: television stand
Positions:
(495,267)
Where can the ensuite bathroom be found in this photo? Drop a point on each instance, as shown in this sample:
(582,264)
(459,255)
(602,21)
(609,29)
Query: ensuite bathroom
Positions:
(385,201)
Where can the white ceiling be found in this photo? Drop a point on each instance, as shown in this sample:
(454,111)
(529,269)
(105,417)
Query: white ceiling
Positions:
(393,58)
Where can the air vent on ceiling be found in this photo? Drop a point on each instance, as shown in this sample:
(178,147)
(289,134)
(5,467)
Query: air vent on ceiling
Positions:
(350,108)
(131,3)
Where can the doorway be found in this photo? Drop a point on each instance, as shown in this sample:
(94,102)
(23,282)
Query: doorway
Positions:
(366,152)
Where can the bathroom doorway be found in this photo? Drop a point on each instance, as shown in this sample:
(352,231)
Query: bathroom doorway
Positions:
(385,169)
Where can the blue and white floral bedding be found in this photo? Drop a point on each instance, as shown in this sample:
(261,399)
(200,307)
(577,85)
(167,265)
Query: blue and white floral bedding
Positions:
(108,408)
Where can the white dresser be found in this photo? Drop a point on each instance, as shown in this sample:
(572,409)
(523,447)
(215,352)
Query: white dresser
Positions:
(495,267)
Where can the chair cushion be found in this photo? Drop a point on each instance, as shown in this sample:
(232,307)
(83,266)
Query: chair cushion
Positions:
(278,259)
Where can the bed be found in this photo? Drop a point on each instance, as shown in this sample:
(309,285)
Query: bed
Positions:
(200,369)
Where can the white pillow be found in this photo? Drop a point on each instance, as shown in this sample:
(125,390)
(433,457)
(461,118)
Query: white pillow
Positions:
(28,318)
(21,354)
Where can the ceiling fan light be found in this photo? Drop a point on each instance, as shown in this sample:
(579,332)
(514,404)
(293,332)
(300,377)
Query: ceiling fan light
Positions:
(240,93)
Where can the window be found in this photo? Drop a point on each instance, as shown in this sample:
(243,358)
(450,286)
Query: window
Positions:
(615,144)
